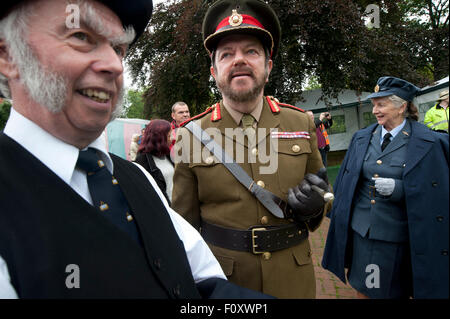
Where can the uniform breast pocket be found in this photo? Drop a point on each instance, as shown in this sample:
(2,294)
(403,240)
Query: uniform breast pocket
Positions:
(397,162)
(292,158)
(215,182)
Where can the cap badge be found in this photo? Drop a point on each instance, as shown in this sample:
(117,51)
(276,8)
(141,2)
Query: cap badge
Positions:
(377,88)
(235,19)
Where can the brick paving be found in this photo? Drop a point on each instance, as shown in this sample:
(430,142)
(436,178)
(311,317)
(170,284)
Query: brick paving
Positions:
(328,286)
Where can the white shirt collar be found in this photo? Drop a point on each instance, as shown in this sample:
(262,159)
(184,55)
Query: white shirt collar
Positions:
(57,155)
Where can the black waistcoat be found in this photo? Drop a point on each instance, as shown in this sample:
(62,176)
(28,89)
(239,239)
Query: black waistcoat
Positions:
(46,228)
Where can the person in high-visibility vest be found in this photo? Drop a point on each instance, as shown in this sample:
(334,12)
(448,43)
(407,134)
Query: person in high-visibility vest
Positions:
(322,123)
(437,117)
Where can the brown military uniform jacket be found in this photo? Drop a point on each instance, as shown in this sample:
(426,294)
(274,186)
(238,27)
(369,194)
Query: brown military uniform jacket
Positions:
(204,190)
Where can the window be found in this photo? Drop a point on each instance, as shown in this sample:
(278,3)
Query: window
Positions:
(338,125)
(424,107)
(368,118)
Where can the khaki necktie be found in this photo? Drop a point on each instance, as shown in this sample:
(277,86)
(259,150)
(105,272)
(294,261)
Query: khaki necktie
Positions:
(249,130)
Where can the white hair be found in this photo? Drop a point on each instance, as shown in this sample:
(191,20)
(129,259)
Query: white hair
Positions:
(45,86)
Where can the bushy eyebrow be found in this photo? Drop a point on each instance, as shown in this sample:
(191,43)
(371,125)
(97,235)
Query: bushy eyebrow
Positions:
(91,20)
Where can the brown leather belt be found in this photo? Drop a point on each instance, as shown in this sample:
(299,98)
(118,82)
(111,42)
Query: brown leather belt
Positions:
(256,239)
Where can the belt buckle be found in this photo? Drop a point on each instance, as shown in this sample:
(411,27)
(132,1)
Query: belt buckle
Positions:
(254,246)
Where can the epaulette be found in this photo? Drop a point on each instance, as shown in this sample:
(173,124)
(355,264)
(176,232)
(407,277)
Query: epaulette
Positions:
(216,114)
(208,110)
(275,105)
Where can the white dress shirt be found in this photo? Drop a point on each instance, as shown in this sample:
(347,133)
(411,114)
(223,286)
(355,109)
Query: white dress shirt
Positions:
(61,158)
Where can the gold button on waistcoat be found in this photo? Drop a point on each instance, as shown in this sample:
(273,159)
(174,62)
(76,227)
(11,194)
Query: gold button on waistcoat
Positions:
(267,255)
(372,201)
(296,148)
(264,220)
(261,184)
(379,162)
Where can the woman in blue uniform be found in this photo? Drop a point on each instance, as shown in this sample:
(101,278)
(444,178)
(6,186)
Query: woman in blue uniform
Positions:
(389,221)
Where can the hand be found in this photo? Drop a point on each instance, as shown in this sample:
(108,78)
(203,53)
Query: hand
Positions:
(304,201)
(322,116)
(384,186)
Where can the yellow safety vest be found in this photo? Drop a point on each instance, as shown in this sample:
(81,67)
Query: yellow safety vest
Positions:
(436,118)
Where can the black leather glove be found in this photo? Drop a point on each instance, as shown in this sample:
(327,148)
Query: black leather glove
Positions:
(306,203)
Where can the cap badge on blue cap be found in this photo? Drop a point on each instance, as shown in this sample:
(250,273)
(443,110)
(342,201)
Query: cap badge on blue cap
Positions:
(235,19)
(377,88)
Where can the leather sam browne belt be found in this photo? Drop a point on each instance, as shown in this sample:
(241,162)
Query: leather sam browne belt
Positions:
(257,239)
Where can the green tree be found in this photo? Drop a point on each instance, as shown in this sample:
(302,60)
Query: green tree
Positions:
(5,109)
(326,38)
(171,60)
(134,104)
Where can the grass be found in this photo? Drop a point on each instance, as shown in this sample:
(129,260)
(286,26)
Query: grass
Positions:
(332,173)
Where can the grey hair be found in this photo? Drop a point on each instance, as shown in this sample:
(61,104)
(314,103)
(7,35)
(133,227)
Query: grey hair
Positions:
(397,101)
(13,30)
(411,110)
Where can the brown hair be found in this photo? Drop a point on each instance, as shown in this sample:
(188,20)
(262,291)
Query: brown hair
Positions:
(412,111)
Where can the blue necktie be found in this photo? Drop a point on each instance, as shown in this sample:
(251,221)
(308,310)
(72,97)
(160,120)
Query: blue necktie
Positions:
(106,194)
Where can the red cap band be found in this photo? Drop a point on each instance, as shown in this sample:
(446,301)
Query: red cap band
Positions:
(246,20)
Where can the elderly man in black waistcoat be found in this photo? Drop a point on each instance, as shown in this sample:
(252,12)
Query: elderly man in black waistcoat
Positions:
(76,221)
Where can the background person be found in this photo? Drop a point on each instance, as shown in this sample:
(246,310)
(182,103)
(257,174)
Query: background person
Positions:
(322,123)
(134,146)
(391,207)
(153,155)
(437,117)
(242,38)
(180,113)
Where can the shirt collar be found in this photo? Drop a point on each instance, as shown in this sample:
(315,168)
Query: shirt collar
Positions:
(394,131)
(57,155)
(237,116)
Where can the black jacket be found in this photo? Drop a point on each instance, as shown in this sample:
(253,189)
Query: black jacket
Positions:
(147,162)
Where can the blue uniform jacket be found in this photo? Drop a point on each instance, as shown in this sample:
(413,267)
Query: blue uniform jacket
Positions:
(425,185)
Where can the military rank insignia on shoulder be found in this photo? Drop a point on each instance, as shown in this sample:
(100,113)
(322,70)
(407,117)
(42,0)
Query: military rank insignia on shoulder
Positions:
(214,110)
(275,105)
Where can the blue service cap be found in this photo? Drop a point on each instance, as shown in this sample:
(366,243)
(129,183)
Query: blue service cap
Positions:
(389,85)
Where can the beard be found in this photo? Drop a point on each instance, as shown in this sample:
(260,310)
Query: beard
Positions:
(48,88)
(242,96)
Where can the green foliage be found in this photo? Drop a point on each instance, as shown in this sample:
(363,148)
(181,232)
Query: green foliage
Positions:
(5,109)
(134,104)
(326,38)
(313,84)
(338,125)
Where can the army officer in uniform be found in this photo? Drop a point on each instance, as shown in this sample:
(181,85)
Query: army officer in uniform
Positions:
(389,222)
(242,38)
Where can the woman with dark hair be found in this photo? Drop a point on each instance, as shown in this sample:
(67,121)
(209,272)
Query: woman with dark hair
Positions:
(153,155)
(389,220)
